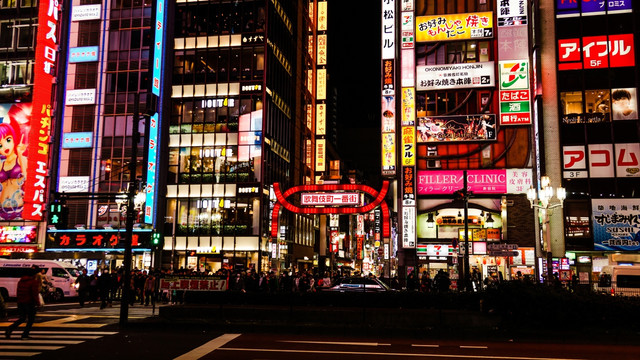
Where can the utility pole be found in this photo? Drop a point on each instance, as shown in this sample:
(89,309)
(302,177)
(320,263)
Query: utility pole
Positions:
(133,186)
(466,233)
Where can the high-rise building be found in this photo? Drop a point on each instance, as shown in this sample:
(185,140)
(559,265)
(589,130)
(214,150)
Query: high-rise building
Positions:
(19,229)
(106,84)
(596,143)
(460,75)
(237,124)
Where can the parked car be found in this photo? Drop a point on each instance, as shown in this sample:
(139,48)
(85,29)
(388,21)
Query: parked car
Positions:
(362,284)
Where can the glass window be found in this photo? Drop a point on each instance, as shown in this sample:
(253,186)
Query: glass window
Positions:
(25,33)
(598,107)
(571,107)
(6,34)
(8,4)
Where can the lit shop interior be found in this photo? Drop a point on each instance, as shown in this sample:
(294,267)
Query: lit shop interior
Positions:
(440,227)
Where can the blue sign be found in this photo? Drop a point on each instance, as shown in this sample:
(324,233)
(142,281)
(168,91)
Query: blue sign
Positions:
(79,140)
(571,8)
(616,224)
(158,47)
(152,166)
(83,54)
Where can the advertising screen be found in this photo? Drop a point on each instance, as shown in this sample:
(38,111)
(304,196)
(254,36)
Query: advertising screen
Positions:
(481,127)
(455,76)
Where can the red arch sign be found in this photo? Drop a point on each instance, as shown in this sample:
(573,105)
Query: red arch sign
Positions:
(378,199)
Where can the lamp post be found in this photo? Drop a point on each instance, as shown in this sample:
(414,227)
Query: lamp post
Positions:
(541,199)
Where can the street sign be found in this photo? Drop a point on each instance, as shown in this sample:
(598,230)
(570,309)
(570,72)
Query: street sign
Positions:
(503,253)
(501,247)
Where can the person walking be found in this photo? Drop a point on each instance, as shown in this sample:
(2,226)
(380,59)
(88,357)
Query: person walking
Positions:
(104,287)
(83,286)
(28,300)
(150,290)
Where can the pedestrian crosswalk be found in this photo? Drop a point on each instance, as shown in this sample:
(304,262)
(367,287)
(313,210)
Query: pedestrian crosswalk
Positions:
(42,341)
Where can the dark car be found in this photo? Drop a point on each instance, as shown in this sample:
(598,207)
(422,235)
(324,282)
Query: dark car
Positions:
(362,284)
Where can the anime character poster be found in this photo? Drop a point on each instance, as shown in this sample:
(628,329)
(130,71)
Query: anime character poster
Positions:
(15,123)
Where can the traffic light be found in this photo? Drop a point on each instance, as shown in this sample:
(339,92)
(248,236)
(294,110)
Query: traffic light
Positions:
(155,238)
(58,214)
(459,194)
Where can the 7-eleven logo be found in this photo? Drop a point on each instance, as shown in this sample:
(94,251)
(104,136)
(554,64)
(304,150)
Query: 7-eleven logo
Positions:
(514,75)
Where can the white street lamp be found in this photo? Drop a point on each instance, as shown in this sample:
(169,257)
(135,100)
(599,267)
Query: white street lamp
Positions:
(541,199)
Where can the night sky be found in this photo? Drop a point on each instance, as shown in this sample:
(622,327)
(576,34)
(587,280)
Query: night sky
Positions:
(354,69)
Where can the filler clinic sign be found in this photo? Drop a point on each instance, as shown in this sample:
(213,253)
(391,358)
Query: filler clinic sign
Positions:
(35,186)
(499,181)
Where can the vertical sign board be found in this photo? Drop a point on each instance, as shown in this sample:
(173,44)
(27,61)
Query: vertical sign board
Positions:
(159,47)
(388,88)
(408,186)
(409,227)
(408,145)
(156,119)
(35,185)
(513,46)
(151,170)
(514,92)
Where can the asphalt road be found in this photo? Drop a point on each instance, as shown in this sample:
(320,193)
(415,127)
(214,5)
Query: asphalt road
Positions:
(69,332)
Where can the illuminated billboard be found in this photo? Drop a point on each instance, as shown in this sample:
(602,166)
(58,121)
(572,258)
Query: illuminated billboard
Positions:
(159,47)
(388,29)
(77,140)
(615,224)
(388,153)
(596,52)
(35,184)
(599,160)
(455,76)
(408,140)
(83,54)
(566,8)
(454,27)
(498,181)
(480,127)
(330,199)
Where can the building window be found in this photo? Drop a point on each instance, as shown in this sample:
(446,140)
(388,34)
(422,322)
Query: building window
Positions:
(79,162)
(7,4)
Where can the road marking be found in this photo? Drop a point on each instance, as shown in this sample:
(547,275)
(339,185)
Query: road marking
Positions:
(70,332)
(30,347)
(64,322)
(334,343)
(16,353)
(395,354)
(41,341)
(74,336)
(212,345)
(425,345)
(473,347)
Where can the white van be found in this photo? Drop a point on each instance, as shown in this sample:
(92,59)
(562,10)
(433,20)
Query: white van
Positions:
(623,280)
(60,274)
